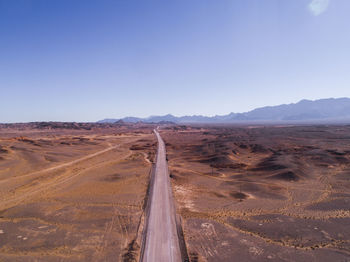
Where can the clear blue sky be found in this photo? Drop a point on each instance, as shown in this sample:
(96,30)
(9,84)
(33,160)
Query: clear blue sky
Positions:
(71,60)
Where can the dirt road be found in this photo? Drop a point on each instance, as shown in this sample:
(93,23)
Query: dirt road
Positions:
(161,241)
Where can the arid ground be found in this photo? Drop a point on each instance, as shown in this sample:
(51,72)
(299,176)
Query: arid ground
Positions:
(262,193)
(73,192)
(77,192)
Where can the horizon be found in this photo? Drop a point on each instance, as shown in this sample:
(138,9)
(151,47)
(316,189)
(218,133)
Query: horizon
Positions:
(292,103)
(187,115)
(84,61)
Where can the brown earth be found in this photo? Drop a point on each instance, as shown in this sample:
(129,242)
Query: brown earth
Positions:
(71,192)
(76,192)
(262,193)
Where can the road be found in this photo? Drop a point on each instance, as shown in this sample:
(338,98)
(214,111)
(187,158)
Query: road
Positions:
(161,240)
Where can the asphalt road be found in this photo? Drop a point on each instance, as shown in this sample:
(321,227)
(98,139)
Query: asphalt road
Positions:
(161,242)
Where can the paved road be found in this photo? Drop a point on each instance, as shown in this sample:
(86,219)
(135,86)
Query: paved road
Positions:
(162,242)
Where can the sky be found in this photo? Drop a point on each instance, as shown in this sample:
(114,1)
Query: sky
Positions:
(64,60)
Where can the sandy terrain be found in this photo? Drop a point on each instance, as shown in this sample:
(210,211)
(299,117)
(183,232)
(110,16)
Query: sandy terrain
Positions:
(262,193)
(77,192)
(73,193)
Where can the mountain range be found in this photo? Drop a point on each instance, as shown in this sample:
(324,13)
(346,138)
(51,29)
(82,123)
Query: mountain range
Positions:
(323,110)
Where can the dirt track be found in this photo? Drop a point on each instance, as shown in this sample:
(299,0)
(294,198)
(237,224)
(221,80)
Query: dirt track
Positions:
(74,196)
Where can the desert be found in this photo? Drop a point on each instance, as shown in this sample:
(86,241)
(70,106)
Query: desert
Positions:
(78,192)
(168,131)
(72,193)
(262,193)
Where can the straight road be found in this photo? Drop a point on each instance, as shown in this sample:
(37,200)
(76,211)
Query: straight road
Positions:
(161,241)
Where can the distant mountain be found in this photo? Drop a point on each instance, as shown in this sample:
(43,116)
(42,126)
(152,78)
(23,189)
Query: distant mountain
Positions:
(323,110)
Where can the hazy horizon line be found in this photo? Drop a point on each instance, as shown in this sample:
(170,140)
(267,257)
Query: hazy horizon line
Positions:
(174,115)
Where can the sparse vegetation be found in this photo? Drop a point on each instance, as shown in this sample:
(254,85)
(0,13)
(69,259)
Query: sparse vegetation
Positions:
(73,193)
(262,193)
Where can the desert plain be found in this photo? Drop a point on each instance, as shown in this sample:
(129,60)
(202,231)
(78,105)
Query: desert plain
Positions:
(72,192)
(262,193)
(77,192)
